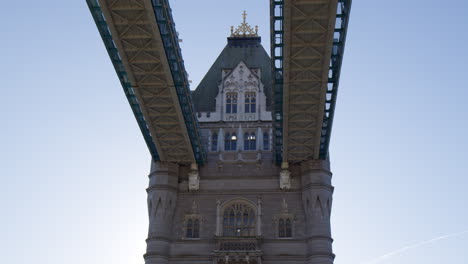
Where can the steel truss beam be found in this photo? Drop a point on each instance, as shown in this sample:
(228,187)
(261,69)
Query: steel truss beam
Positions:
(122,74)
(308,39)
(143,45)
(339,39)
(277,44)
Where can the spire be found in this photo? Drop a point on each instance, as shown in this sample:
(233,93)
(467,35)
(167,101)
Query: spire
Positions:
(244,29)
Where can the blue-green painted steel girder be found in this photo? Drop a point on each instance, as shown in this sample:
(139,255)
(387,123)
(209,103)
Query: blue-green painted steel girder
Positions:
(277,43)
(122,74)
(170,41)
(163,14)
(339,39)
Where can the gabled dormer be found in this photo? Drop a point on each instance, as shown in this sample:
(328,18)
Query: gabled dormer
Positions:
(240,94)
(238,85)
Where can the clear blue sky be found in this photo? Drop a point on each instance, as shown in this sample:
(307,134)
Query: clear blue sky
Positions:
(74,165)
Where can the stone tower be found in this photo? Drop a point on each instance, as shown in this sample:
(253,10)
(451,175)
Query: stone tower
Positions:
(240,207)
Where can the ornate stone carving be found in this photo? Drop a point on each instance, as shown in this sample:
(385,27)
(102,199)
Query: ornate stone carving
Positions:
(285,177)
(317,206)
(280,218)
(194,178)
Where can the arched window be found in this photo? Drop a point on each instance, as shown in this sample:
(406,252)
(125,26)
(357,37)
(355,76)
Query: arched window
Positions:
(266,141)
(230,141)
(193,228)
(231,103)
(189,229)
(284,228)
(228,105)
(196,228)
(281,228)
(214,142)
(250,103)
(239,220)
(250,141)
(287,227)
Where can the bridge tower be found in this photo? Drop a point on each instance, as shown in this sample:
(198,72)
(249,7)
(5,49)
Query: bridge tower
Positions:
(240,168)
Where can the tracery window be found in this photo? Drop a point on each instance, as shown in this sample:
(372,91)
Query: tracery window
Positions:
(193,228)
(250,141)
(231,103)
(239,220)
(250,103)
(266,141)
(284,228)
(214,142)
(230,141)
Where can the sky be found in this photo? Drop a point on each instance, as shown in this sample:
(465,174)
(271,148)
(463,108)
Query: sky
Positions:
(74,165)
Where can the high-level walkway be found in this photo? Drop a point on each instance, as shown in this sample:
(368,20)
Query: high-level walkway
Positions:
(307,38)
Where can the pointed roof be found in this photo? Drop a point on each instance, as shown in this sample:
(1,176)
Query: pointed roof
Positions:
(246,49)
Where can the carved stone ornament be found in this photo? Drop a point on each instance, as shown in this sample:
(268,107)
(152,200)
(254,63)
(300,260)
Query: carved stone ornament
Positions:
(285,177)
(194,178)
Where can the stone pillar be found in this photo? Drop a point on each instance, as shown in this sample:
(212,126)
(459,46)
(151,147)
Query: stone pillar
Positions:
(218,218)
(210,141)
(241,107)
(162,199)
(259,139)
(221,140)
(240,139)
(222,103)
(259,217)
(317,193)
(270,139)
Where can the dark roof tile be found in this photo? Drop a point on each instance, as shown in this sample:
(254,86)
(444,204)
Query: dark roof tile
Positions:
(248,50)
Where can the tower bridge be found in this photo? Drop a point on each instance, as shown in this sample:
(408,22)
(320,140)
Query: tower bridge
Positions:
(142,43)
(307,46)
(240,170)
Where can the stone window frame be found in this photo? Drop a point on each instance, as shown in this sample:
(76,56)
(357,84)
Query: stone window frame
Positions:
(256,229)
(284,217)
(214,142)
(232,103)
(250,102)
(285,228)
(230,144)
(249,142)
(193,217)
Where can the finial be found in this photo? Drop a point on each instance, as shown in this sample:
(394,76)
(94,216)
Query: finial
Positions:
(284,206)
(194,207)
(244,29)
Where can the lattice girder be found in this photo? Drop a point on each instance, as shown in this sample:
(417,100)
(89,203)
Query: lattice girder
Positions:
(137,37)
(308,41)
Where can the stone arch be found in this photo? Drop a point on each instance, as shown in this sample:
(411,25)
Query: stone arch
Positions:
(239,218)
(238,199)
